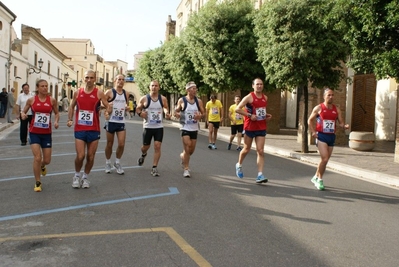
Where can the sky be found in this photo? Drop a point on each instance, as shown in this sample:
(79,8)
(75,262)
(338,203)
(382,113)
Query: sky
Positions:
(118,30)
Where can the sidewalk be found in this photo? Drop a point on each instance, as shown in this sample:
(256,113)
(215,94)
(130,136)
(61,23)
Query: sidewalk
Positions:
(375,166)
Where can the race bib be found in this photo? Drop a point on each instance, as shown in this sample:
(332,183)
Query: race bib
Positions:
(155,117)
(238,116)
(85,117)
(118,114)
(260,113)
(42,120)
(328,126)
(215,111)
(190,117)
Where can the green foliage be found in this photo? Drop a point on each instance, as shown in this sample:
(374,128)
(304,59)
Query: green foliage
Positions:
(221,44)
(298,43)
(152,67)
(180,66)
(372,30)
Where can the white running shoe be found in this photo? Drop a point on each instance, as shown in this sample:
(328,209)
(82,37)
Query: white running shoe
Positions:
(76,182)
(154,172)
(118,168)
(186,174)
(108,168)
(85,183)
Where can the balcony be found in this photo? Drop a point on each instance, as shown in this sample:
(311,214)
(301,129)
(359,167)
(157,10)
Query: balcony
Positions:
(100,81)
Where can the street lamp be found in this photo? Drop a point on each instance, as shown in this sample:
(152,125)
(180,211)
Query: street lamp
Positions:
(66,76)
(32,70)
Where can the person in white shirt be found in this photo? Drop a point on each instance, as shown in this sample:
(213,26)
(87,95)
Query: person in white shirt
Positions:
(21,102)
(151,108)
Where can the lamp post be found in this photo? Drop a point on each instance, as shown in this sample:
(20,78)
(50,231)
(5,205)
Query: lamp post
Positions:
(33,70)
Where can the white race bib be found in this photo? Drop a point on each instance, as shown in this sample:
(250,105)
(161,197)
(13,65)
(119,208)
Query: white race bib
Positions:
(42,120)
(85,117)
(328,126)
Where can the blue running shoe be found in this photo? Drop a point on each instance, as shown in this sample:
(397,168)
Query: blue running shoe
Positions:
(239,172)
(261,179)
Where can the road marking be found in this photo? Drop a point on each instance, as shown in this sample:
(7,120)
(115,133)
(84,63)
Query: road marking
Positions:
(60,173)
(178,239)
(172,191)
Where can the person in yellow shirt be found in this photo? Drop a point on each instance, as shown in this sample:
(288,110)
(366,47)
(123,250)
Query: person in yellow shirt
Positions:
(214,115)
(237,124)
(131,106)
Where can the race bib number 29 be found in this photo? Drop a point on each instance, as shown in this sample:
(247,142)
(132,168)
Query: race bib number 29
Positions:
(42,120)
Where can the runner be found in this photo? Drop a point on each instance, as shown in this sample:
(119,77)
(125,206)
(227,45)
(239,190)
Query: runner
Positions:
(150,108)
(87,126)
(189,110)
(118,100)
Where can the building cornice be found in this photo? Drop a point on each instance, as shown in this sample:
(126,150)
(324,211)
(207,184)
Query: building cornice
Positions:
(29,33)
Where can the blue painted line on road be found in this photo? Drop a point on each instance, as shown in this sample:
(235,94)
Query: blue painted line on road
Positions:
(53,155)
(59,173)
(172,191)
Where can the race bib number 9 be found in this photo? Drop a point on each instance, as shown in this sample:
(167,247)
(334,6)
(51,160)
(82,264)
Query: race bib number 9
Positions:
(155,117)
(190,117)
(85,117)
(328,126)
(42,120)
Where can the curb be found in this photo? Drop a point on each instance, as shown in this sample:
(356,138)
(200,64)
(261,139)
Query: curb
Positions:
(358,173)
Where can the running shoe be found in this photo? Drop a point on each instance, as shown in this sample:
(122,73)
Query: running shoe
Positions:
(38,187)
(210,146)
(118,168)
(239,148)
(239,172)
(318,183)
(108,168)
(76,182)
(261,179)
(154,172)
(44,170)
(214,146)
(229,146)
(140,161)
(186,174)
(85,183)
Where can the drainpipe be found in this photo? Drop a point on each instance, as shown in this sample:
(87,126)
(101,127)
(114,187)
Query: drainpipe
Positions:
(9,59)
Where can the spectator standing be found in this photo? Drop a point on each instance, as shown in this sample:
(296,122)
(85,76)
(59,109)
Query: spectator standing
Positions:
(3,100)
(21,102)
(10,104)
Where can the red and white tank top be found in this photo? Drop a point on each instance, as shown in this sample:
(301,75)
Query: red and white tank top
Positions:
(325,121)
(41,116)
(87,116)
(257,107)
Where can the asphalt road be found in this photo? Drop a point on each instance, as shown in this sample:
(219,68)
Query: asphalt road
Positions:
(211,219)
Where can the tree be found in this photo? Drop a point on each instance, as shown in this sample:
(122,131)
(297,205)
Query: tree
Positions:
(298,46)
(180,66)
(152,67)
(221,44)
(372,31)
